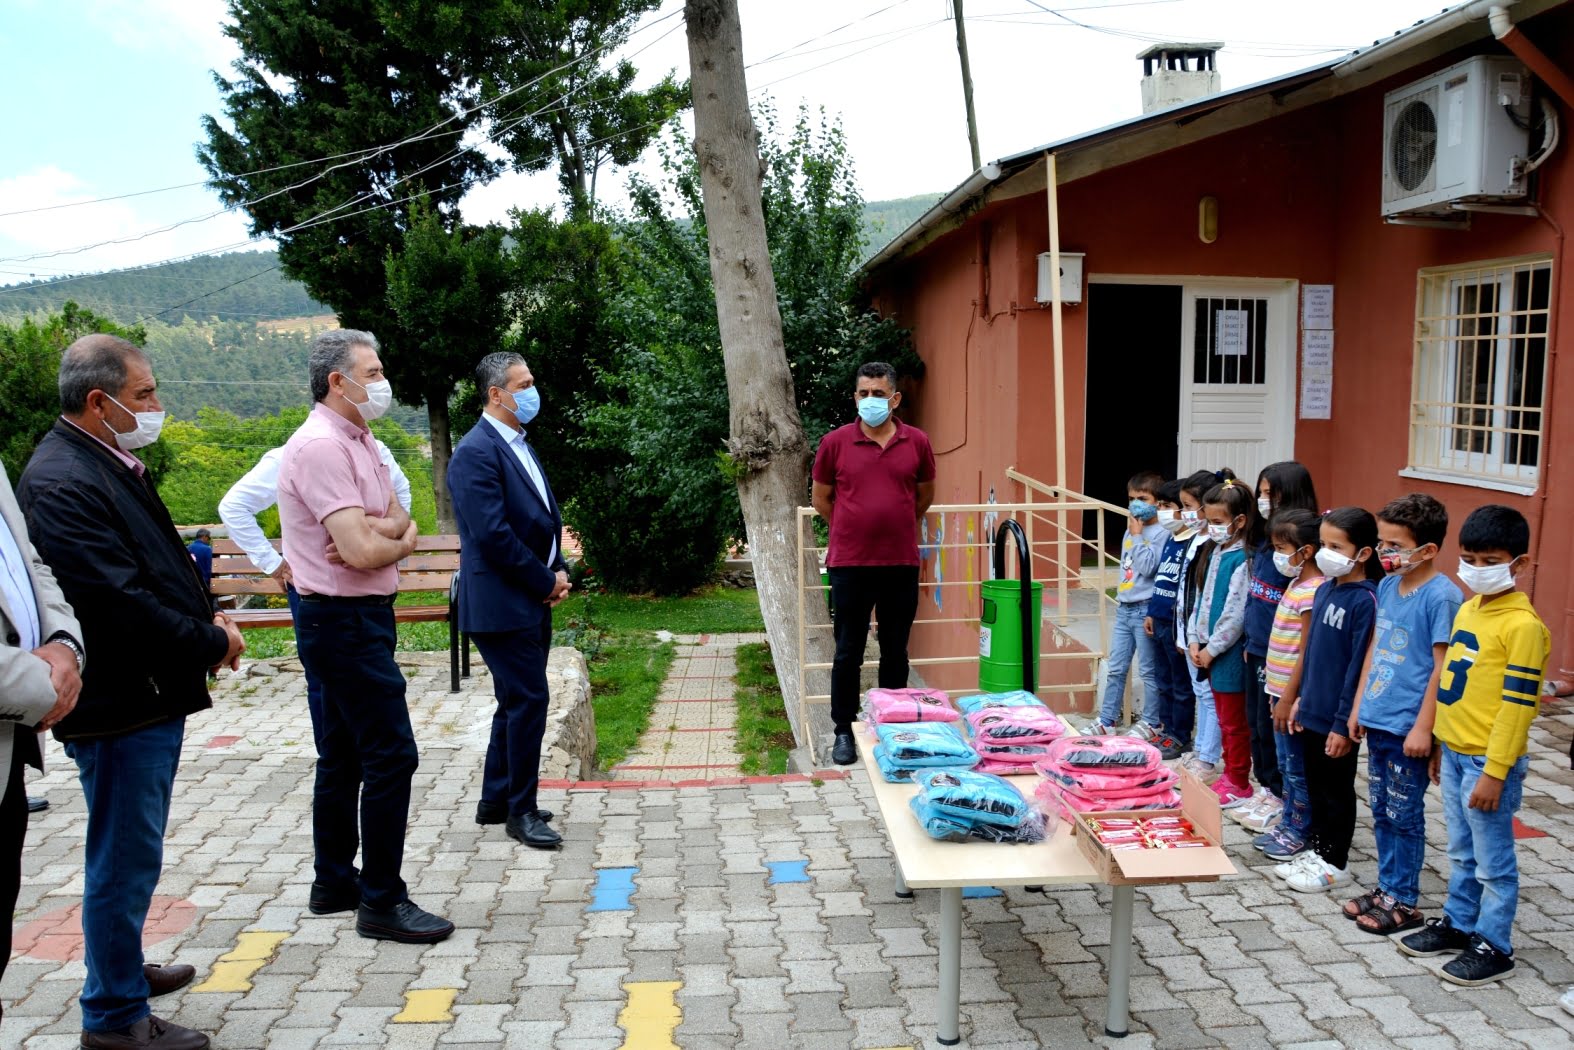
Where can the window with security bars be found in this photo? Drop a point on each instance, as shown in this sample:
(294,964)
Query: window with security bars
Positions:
(1480,370)
(1230,342)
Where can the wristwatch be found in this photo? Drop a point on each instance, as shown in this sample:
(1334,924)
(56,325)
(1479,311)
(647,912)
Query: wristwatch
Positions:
(70,643)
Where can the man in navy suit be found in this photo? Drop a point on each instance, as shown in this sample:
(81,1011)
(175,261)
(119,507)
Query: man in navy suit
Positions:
(511,574)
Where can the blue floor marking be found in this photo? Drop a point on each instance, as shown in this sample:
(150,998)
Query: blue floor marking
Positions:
(613,888)
(976,892)
(787,871)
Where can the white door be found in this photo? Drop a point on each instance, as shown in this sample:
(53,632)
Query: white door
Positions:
(1237,391)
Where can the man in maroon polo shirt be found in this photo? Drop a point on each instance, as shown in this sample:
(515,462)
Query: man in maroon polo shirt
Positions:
(873,481)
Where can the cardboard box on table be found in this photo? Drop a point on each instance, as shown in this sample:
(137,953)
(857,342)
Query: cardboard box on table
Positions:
(1151,867)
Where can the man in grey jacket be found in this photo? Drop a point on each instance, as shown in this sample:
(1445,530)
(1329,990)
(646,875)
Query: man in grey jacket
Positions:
(40,677)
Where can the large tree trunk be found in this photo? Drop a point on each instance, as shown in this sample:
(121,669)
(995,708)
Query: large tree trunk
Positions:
(442,449)
(767,442)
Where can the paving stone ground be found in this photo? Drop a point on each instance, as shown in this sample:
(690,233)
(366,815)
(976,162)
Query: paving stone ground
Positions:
(691,734)
(834,961)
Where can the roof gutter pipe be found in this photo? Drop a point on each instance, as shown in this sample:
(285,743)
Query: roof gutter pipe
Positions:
(1431,29)
(949,205)
(1545,69)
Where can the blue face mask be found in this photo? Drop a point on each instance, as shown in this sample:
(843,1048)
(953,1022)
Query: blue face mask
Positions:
(874,410)
(527,403)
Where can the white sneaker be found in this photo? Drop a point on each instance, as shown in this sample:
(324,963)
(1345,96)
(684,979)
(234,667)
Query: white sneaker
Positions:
(1099,727)
(1318,878)
(1207,772)
(1248,808)
(1567,1002)
(1296,863)
(1265,817)
(1143,731)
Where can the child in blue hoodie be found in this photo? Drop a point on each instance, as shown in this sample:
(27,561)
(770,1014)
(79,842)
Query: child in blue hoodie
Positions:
(1324,685)
(1175,706)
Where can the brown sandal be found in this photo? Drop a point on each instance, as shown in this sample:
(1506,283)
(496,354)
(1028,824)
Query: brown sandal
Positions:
(1388,916)
(1359,906)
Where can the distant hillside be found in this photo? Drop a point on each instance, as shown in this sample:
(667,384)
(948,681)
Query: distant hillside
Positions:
(239,286)
(883,220)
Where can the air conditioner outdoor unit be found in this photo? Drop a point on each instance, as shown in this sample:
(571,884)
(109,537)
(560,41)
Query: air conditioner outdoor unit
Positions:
(1451,138)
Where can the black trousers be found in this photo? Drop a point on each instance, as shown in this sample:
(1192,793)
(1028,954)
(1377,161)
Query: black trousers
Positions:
(1265,758)
(366,752)
(1330,787)
(518,662)
(891,592)
(13,830)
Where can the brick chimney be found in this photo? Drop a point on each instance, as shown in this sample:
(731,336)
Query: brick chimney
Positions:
(1177,73)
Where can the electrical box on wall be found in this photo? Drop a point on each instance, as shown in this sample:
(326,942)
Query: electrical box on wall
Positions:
(1070,277)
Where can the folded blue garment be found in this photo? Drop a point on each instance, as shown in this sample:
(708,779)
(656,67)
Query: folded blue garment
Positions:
(983,701)
(973,797)
(948,827)
(914,744)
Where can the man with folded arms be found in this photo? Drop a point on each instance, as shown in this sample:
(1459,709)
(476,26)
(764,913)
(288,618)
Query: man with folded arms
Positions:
(99,524)
(344,535)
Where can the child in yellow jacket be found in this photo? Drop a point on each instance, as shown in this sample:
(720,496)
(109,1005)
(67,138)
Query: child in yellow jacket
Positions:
(1487,697)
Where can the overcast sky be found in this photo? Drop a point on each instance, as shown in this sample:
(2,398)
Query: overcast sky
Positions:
(104,97)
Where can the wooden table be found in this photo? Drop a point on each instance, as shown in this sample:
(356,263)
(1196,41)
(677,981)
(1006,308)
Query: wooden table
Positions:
(925,863)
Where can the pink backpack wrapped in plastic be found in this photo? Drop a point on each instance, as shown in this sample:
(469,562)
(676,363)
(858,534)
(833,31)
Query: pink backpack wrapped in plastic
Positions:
(1015,725)
(888,706)
(1125,755)
(1118,783)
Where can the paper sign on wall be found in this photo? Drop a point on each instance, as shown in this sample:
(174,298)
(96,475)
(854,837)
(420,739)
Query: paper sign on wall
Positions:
(1317,306)
(1317,374)
(1229,327)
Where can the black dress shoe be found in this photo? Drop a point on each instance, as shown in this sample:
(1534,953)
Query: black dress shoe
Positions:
(533,832)
(845,751)
(37,805)
(326,900)
(165,979)
(497,813)
(152,1032)
(404,922)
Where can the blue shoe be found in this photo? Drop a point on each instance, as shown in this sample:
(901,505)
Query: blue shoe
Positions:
(1286,846)
(1266,839)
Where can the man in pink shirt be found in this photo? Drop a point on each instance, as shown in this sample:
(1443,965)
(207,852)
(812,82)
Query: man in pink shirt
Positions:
(344,535)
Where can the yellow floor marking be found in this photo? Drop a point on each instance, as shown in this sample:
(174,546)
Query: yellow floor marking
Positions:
(232,972)
(651,1016)
(427,1006)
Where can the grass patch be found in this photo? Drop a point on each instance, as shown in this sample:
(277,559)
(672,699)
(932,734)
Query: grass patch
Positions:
(714,610)
(764,735)
(625,678)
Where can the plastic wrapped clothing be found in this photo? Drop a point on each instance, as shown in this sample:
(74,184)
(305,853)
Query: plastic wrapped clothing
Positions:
(882,706)
(1159,796)
(1107,785)
(1058,800)
(951,828)
(1009,759)
(969,705)
(917,744)
(1106,754)
(1015,725)
(978,797)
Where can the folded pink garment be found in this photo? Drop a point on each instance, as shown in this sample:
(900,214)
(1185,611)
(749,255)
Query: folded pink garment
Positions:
(1056,799)
(883,706)
(1126,800)
(1112,783)
(1002,767)
(1015,725)
(1107,754)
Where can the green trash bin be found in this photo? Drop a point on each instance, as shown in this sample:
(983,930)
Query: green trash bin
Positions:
(1000,636)
(1005,627)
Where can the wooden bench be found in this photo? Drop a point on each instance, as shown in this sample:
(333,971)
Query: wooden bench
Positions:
(433,567)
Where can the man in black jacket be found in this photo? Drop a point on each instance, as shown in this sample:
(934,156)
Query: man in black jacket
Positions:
(100,526)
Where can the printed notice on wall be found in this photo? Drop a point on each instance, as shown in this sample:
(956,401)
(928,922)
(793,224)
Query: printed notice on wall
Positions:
(1229,332)
(1317,374)
(1317,306)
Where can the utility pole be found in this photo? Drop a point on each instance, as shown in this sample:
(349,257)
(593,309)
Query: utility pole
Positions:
(967,83)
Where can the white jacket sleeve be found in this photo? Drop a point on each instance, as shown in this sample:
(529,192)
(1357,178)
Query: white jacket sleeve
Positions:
(250,496)
(401,484)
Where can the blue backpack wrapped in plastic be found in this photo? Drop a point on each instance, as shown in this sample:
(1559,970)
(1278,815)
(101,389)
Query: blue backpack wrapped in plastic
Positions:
(971,705)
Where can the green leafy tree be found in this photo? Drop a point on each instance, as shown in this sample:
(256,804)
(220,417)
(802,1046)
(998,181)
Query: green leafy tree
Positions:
(29,374)
(658,512)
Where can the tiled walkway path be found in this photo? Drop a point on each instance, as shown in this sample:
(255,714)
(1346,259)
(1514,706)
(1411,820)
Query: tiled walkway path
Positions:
(691,733)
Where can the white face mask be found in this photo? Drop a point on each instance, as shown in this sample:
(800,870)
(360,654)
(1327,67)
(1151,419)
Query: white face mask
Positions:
(1281,562)
(1191,518)
(379,396)
(1218,533)
(1334,564)
(1487,579)
(1264,506)
(149,425)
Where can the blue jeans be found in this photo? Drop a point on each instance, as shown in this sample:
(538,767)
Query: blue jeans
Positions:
(1177,707)
(1209,742)
(1398,796)
(313,686)
(127,780)
(1125,639)
(366,751)
(1292,773)
(1483,882)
